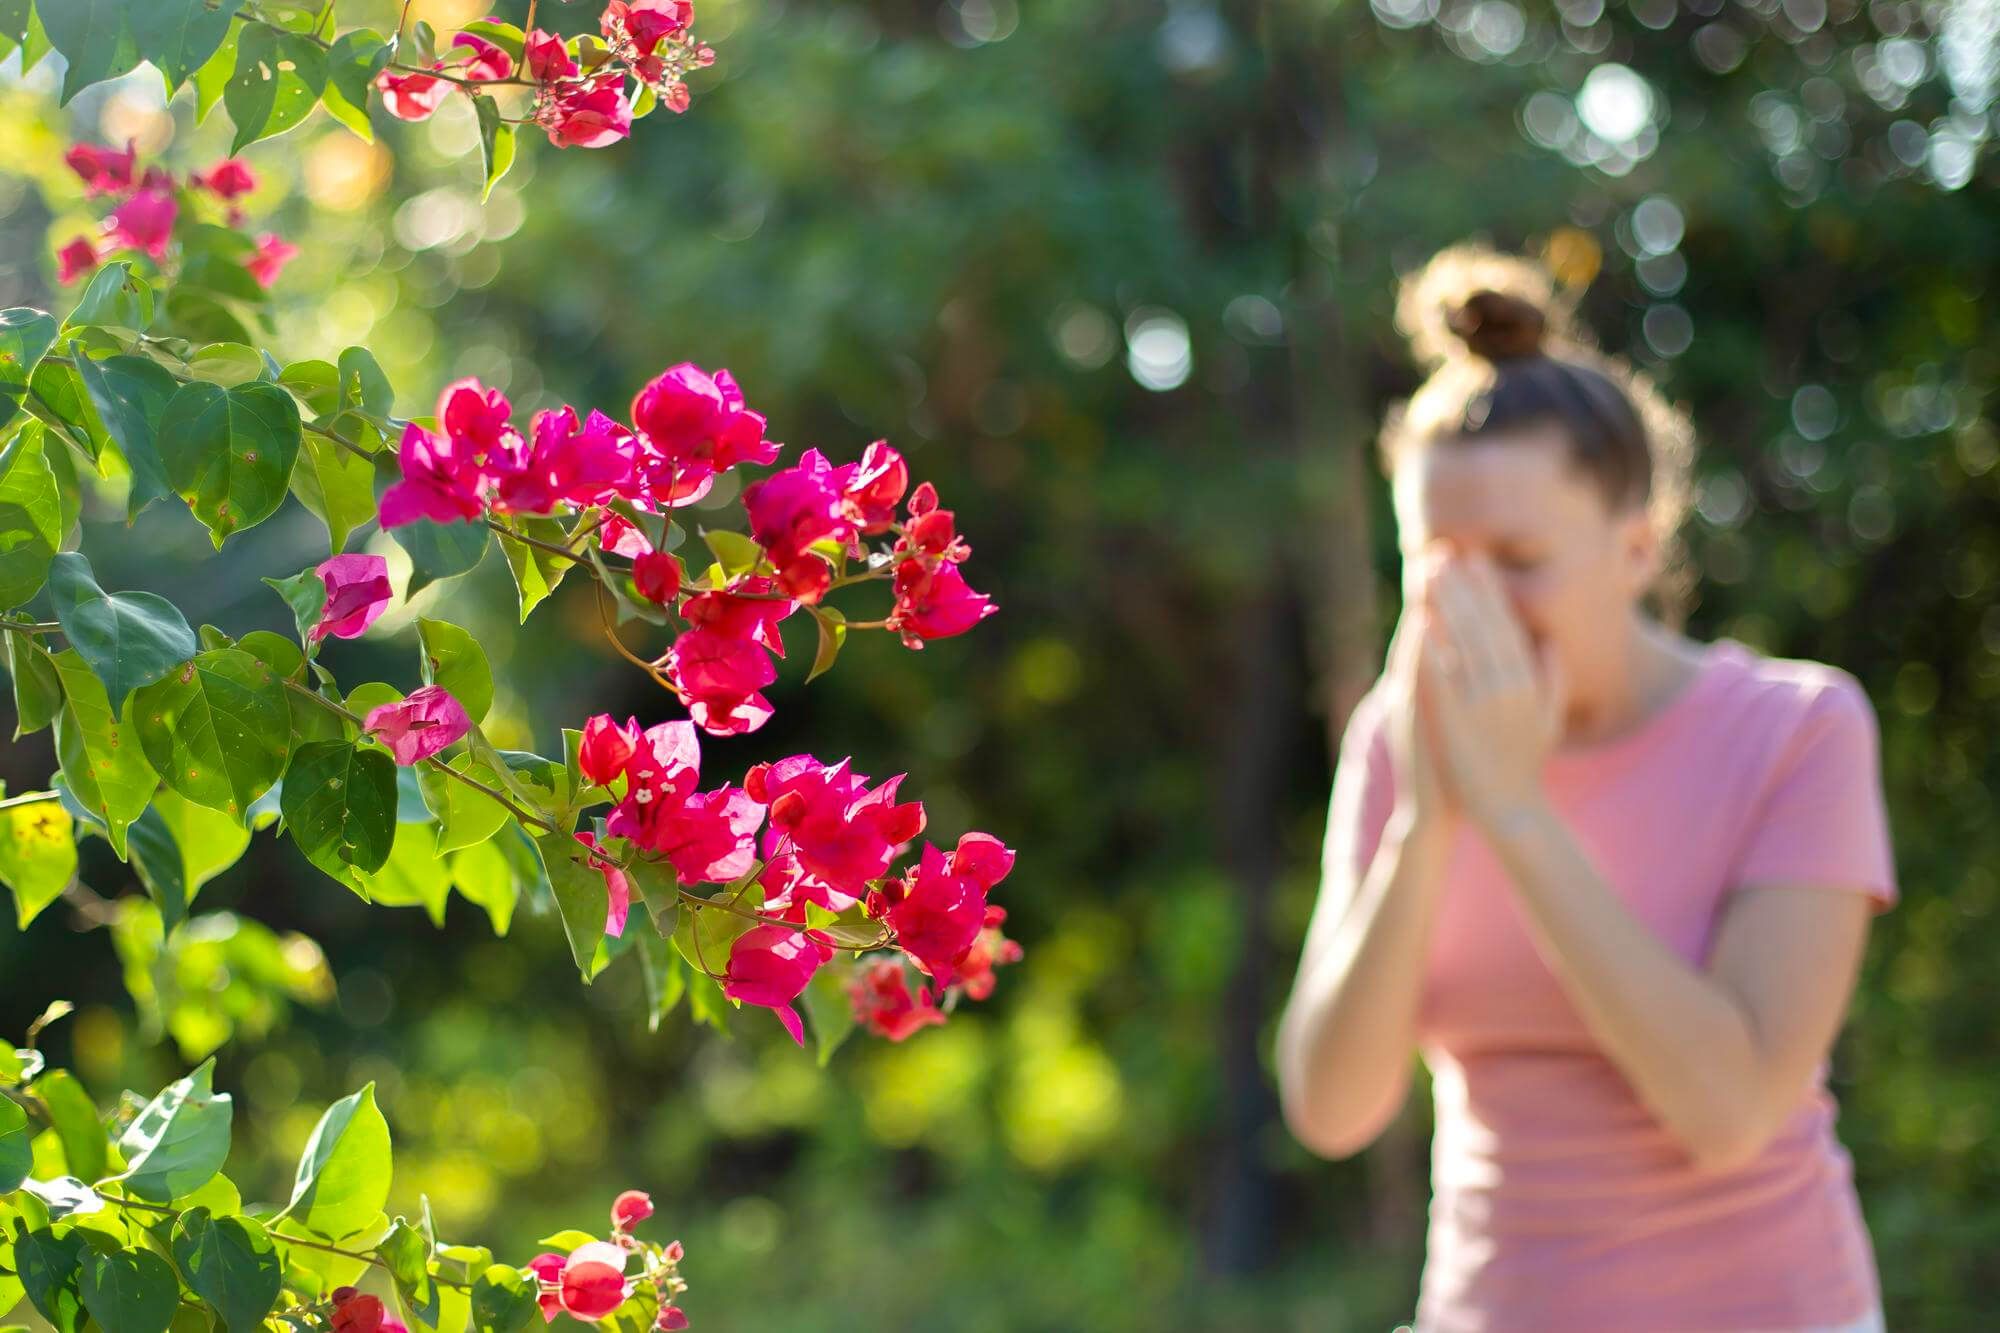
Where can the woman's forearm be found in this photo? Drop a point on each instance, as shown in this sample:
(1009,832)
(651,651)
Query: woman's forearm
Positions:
(1348,1031)
(1688,1048)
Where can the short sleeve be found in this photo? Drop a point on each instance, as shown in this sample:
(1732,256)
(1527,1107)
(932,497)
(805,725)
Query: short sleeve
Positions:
(1364,791)
(1821,821)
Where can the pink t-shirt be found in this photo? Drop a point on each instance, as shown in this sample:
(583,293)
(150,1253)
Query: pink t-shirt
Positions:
(1559,1204)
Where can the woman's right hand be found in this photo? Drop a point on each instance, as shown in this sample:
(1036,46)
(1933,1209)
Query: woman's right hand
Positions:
(1423,797)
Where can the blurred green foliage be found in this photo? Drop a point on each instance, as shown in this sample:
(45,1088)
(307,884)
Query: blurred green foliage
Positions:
(996,233)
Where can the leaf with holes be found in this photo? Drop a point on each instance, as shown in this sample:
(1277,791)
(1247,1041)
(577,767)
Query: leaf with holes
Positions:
(339,802)
(229,452)
(219,729)
(178,36)
(278,81)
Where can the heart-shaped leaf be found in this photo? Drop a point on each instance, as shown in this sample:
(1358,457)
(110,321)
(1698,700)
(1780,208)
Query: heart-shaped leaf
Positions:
(229,452)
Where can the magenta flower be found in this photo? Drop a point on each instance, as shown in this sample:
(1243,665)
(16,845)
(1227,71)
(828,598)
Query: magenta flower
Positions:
(695,426)
(935,604)
(478,422)
(565,462)
(936,913)
(647,22)
(829,834)
(989,950)
(412,96)
(357,591)
(547,57)
(76,259)
(104,170)
(658,576)
(488,61)
(630,1208)
(884,1005)
(660,774)
(588,113)
(733,615)
(712,837)
(615,885)
(874,490)
(437,483)
(605,747)
(272,255)
(592,1282)
(146,221)
(547,1269)
(420,725)
(769,965)
(720,680)
(227,180)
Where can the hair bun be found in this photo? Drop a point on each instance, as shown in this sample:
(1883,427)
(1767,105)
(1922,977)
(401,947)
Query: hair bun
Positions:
(1497,326)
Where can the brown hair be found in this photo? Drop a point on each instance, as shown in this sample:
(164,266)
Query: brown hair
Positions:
(1502,352)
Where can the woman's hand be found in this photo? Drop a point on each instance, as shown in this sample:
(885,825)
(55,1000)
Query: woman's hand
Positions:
(1495,705)
(1423,798)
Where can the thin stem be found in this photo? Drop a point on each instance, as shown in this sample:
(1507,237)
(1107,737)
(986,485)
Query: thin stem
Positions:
(563,551)
(535,820)
(38,627)
(604,618)
(29,798)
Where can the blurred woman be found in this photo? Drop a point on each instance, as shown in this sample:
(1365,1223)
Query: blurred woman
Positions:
(1613,883)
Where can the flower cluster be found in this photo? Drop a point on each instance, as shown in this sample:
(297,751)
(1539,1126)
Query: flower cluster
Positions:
(150,204)
(586,93)
(688,428)
(829,839)
(593,1279)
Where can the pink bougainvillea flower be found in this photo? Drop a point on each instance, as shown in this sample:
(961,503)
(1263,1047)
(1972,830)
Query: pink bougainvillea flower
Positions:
(76,259)
(478,420)
(615,884)
(741,612)
(547,1269)
(146,221)
(412,96)
(271,257)
(719,679)
(658,576)
(884,1005)
(989,950)
(769,965)
(547,57)
(792,509)
(419,726)
(354,1312)
(357,591)
(712,837)
(629,1209)
(935,604)
(588,113)
(605,747)
(696,426)
(660,774)
(228,180)
(565,463)
(936,913)
(646,22)
(437,483)
(104,170)
(488,61)
(592,1282)
(619,536)
(829,834)
(874,490)
(672,1319)
(982,858)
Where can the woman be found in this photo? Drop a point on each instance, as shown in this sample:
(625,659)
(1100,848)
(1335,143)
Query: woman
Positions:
(1613,883)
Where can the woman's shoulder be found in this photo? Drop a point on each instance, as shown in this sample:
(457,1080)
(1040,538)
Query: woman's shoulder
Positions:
(1778,697)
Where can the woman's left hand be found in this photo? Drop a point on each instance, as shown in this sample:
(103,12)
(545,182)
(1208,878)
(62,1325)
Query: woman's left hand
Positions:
(1497,704)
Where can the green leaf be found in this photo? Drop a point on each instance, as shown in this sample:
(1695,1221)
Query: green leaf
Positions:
(178,36)
(496,144)
(16,1156)
(129,1291)
(465,817)
(406,1252)
(116,298)
(102,761)
(158,861)
(504,1300)
(705,935)
(86,1147)
(57,399)
(351,66)
(314,383)
(440,550)
(305,592)
(231,1263)
(485,878)
(229,452)
(565,1240)
(49,1266)
(659,887)
(339,802)
(210,841)
(336,487)
(130,393)
(832,634)
(225,363)
(581,896)
(21,27)
(829,1010)
(278,80)
(130,639)
(213,77)
(536,571)
(218,730)
(37,686)
(93,37)
(178,1142)
(25,337)
(453,658)
(737,553)
(30,517)
(665,977)
(343,1176)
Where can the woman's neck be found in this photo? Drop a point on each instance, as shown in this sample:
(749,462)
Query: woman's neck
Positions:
(1648,669)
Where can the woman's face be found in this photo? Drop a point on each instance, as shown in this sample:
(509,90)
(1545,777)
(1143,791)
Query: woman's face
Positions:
(1572,567)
